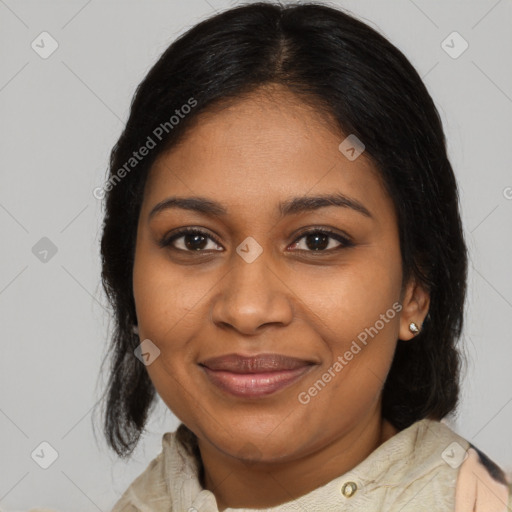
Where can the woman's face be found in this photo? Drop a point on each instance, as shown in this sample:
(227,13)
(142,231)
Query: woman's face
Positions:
(255,282)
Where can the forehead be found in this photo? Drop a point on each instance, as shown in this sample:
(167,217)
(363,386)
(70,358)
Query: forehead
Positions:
(266,146)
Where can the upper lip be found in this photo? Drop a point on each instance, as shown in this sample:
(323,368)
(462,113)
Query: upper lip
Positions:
(254,364)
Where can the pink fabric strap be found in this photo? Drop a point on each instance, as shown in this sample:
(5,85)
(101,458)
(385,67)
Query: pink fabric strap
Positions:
(477,490)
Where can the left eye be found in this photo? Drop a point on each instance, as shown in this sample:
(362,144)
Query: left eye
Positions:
(320,241)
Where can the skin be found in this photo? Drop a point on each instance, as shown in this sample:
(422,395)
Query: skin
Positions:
(261,150)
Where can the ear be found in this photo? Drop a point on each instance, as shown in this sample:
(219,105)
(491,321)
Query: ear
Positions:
(415,306)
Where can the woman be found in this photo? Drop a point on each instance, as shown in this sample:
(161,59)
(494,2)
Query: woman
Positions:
(283,251)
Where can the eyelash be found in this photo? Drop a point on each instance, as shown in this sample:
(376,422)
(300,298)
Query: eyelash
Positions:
(345,241)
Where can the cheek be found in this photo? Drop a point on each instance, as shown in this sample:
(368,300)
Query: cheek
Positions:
(168,306)
(353,298)
(356,315)
(166,300)
(171,307)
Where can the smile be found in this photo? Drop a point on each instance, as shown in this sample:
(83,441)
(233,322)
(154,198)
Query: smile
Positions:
(255,385)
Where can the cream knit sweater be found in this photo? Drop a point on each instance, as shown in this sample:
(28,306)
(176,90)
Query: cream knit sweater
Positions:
(426,467)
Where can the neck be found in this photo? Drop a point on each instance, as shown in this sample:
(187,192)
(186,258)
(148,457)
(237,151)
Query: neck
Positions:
(233,481)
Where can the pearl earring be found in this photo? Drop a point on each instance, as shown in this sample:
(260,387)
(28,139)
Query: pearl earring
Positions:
(414,328)
(135,329)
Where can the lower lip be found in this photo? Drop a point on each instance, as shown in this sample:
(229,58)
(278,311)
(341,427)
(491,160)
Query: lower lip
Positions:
(255,385)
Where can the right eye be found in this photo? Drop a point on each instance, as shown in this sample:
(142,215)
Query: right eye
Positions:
(194,240)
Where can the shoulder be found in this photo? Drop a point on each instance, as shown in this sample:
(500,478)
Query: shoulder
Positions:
(149,491)
(476,483)
(169,479)
(147,488)
(429,466)
(481,484)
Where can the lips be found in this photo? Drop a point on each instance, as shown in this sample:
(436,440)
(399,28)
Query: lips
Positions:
(255,364)
(255,376)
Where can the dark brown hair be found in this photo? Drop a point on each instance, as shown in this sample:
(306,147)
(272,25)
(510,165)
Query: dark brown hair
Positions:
(363,82)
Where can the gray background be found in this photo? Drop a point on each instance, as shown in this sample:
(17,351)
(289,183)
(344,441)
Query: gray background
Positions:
(60,117)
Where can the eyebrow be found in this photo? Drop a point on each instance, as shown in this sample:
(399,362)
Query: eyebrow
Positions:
(292,206)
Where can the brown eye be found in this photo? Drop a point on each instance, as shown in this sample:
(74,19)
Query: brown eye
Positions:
(194,240)
(320,240)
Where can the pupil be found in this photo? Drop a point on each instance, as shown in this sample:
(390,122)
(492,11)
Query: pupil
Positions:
(315,237)
(195,239)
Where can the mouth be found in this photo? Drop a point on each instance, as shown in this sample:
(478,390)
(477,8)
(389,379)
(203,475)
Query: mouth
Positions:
(255,376)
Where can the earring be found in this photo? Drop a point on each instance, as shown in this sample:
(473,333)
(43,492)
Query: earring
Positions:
(414,328)
(135,329)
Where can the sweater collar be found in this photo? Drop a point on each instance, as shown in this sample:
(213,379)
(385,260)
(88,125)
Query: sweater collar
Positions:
(385,466)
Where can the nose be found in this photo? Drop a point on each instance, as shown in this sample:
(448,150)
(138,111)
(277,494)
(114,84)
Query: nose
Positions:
(250,296)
